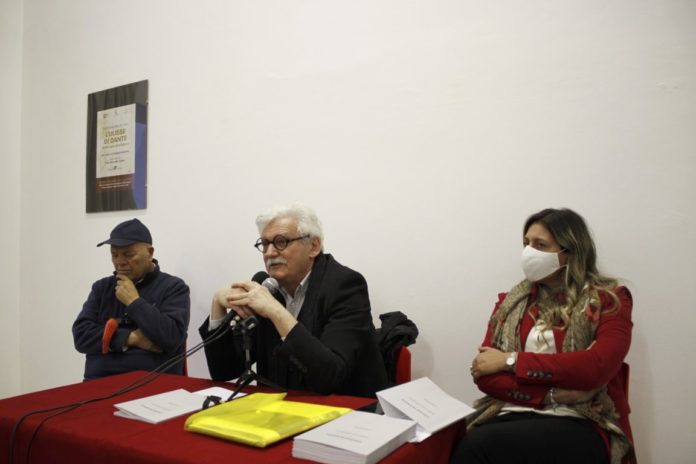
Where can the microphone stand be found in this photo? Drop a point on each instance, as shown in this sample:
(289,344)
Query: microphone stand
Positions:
(246,326)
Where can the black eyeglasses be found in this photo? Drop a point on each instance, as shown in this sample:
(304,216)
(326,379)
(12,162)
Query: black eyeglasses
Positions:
(279,242)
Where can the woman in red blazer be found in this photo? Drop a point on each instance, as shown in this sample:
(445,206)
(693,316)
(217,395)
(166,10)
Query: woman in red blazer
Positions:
(551,364)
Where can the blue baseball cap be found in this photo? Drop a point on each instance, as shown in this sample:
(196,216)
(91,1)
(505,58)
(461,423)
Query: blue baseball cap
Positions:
(127,233)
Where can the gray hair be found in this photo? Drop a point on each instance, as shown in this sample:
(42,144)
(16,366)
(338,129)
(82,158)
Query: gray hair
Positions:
(307,221)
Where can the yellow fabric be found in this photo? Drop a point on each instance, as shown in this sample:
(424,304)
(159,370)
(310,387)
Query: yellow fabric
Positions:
(260,419)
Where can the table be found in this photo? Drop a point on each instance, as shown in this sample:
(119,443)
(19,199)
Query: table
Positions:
(92,434)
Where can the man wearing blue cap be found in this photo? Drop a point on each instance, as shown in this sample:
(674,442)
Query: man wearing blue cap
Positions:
(137,318)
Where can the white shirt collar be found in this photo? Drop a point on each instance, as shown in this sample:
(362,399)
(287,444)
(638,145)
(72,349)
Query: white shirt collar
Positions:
(294,303)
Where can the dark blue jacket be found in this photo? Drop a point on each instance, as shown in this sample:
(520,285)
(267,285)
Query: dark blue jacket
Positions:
(162,313)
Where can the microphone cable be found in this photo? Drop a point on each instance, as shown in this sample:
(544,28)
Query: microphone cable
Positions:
(218,333)
(260,278)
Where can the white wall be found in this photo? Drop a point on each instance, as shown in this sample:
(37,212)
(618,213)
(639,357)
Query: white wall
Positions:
(422,132)
(10,160)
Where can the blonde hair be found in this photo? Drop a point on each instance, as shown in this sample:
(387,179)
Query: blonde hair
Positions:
(581,278)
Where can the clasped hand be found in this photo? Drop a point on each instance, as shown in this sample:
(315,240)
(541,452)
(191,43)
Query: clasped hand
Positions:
(246,299)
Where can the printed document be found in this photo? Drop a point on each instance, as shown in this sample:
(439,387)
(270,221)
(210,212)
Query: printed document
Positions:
(425,403)
(157,408)
(356,438)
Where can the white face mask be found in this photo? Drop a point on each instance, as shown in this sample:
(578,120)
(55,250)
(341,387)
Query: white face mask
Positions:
(539,264)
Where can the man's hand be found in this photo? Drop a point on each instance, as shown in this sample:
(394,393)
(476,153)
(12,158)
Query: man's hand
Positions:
(222,300)
(257,299)
(125,290)
(137,339)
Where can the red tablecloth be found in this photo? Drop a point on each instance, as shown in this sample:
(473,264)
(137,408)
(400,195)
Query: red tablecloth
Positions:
(92,434)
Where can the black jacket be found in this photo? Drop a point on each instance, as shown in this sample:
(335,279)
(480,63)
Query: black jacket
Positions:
(331,350)
(397,330)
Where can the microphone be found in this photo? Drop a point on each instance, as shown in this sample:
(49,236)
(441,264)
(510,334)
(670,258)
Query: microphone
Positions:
(271,284)
(259,277)
(267,281)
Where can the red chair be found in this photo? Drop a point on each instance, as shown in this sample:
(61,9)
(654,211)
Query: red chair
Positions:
(625,374)
(403,366)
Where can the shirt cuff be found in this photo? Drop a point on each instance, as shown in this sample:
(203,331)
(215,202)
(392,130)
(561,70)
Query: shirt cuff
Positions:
(214,323)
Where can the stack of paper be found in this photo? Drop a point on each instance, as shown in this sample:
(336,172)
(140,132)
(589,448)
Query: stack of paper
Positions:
(413,411)
(157,408)
(356,438)
(424,402)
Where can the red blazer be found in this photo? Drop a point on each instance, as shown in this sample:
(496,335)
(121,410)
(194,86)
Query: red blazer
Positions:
(599,365)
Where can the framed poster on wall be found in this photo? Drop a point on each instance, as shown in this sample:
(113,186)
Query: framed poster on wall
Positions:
(117,148)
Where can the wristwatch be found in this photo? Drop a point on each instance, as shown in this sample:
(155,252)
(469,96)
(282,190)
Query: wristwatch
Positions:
(511,360)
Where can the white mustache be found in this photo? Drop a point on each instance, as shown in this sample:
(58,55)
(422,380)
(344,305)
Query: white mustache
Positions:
(277,260)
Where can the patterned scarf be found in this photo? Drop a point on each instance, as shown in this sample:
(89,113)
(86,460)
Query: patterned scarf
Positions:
(580,332)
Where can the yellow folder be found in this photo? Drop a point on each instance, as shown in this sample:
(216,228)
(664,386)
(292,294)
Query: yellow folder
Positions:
(260,419)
